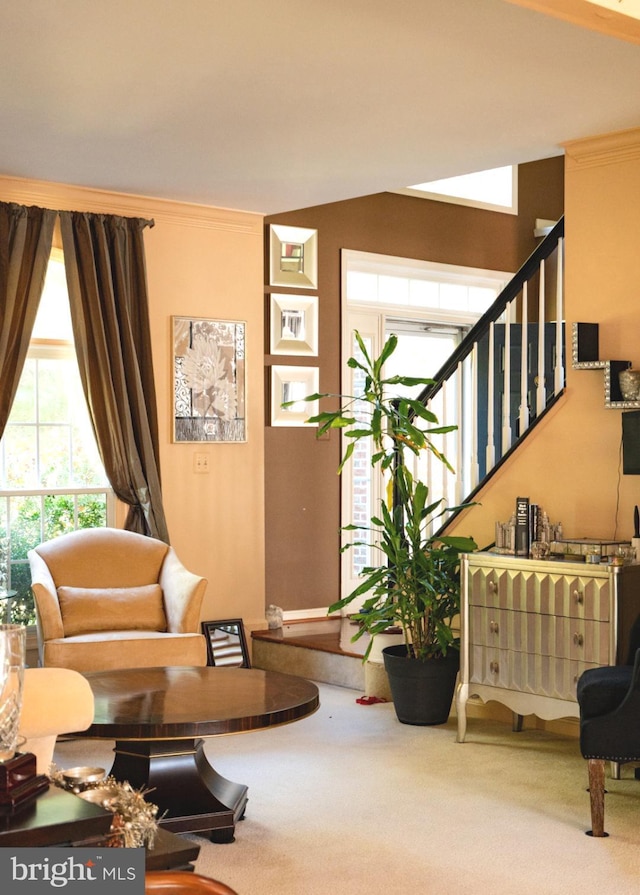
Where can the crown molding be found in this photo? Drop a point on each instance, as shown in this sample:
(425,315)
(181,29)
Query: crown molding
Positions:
(606,149)
(615,18)
(64,197)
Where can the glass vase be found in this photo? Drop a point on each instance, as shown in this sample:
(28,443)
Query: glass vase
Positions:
(12,659)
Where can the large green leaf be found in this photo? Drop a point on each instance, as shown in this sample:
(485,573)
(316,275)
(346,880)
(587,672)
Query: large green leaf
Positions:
(387,350)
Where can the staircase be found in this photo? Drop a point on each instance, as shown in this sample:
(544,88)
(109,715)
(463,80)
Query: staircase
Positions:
(319,649)
(498,384)
(501,380)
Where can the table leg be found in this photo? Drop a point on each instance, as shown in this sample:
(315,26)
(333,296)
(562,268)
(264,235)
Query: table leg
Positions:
(190,794)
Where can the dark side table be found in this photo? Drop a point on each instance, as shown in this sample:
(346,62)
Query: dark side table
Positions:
(57,817)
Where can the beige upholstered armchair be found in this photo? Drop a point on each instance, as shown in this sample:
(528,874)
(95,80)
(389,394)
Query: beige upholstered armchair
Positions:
(107,598)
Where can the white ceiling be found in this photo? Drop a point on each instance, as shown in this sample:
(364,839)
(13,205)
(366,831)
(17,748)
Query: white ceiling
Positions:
(267,105)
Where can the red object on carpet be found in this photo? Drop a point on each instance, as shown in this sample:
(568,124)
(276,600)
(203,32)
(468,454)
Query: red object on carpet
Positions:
(369,700)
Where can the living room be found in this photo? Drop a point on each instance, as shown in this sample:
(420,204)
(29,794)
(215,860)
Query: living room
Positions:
(208,260)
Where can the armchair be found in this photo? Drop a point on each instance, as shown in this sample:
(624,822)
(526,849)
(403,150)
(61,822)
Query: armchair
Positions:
(108,598)
(609,701)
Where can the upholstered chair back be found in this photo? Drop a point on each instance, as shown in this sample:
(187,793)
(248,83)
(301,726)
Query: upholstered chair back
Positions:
(103,557)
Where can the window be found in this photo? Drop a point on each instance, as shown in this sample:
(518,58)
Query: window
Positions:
(51,477)
(495,189)
(426,290)
(430,307)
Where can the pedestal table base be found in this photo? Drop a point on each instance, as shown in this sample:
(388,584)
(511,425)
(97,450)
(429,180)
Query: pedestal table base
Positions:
(190,794)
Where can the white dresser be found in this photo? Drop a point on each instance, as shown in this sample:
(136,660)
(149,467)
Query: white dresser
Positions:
(529,628)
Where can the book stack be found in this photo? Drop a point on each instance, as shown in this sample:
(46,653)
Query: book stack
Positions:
(523,526)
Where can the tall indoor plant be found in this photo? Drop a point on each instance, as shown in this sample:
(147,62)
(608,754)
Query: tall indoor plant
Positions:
(416,584)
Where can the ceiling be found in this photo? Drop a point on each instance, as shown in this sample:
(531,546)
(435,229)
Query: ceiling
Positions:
(272,106)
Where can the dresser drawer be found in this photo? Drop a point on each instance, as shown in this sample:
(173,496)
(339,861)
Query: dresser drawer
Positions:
(530,628)
(575,596)
(541,635)
(526,672)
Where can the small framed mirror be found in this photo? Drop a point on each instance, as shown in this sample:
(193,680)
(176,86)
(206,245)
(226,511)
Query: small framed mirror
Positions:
(226,643)
(293,257)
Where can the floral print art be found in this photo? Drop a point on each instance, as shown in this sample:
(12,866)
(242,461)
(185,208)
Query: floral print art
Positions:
(209,380)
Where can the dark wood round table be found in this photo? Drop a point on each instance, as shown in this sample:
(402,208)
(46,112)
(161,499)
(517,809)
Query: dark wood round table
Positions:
(158,718)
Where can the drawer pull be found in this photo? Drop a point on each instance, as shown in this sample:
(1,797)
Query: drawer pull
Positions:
(494,667)
(579,596)
(493,627)
(578,639)
(492,585)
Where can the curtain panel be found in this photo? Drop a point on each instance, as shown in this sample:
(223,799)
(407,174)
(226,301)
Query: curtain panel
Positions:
(26,235)
(106,278)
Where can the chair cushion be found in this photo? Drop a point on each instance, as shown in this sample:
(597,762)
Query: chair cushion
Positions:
(86,609)
(125,649)
(601,690)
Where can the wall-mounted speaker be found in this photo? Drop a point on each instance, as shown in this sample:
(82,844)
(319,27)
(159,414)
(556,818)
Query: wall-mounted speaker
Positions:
(631,442)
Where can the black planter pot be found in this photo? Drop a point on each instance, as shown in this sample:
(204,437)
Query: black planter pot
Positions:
(422,691)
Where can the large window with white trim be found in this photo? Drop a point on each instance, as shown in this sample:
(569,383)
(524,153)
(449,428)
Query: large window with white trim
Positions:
(430,307)
(51,476)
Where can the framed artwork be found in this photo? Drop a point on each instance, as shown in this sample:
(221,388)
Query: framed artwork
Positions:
(293,384)
(294,324)
(209,393)
(226,643)
(293,256)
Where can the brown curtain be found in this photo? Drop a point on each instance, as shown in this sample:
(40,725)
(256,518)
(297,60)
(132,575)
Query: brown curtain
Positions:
(106,277)
(26,234)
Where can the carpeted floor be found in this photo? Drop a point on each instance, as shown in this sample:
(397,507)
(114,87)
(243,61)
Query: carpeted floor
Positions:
(350,802)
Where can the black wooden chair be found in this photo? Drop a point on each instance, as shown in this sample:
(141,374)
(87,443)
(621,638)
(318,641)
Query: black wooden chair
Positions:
(609,700)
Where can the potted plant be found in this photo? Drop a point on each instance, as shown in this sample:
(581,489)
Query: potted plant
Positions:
(416,585)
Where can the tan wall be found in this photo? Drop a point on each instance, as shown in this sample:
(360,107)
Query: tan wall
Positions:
(572,463)
(200,262)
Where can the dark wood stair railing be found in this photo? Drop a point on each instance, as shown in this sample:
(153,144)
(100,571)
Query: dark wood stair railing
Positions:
(502,379)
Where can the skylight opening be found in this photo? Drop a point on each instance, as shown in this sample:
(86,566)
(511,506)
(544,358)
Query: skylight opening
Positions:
(495,189)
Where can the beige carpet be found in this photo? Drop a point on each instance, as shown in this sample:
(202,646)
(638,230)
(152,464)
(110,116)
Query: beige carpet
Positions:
(350,802)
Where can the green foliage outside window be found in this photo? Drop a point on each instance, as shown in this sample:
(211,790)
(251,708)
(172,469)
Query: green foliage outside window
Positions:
(34,519)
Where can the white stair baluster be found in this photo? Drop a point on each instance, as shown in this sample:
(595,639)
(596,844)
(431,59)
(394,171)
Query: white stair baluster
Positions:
(461,474)
(541,391)
(491,449)
(475,447)
(559,367)
(506,391)
(524,365)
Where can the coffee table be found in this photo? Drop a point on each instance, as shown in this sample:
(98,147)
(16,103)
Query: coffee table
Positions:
(158,718)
